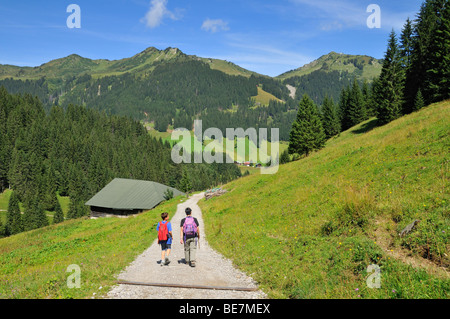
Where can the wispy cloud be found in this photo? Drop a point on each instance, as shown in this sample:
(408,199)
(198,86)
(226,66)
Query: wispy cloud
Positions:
(343,14)
(215,25)
(157,12)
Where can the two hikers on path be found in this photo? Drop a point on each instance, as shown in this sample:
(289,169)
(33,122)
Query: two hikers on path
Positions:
(189,234)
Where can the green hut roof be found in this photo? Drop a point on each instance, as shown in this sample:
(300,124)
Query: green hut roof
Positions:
(130,194)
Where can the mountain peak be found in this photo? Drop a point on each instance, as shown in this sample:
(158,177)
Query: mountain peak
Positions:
(362,66)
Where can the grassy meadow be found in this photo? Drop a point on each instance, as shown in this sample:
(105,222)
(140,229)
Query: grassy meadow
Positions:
(240,154)
(312,229)
(33,264)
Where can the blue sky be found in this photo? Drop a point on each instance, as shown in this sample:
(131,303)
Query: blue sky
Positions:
(266,36)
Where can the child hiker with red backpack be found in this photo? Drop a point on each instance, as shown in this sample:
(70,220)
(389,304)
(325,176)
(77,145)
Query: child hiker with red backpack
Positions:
(164,229)
(189,233)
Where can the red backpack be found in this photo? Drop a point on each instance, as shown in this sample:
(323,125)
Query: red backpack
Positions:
(163,232)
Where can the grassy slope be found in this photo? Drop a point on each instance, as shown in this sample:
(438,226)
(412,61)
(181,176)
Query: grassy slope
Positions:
(240,155)
(33,264)
(311,230)
(263,97)
(335,62)
(227,67)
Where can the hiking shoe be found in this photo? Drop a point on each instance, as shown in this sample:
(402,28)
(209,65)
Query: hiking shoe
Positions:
(192,263)
(167,261)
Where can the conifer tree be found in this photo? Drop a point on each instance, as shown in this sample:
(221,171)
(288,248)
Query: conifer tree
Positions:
(343,108)
(406,48)
(284,158)
(77,209)
(307,134)
(437,83)
(34,215)
(418,102)
(14,223)
(185,183)
(330,120)
(367,100)
(424,27)
(389,89)
(406,44)
(72,212)
(59,215)
(356,112)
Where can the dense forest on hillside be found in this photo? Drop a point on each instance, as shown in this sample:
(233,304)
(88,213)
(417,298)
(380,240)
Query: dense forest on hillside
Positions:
(416,67)
(415,73)
(77,151)
(177,91)
(320,84)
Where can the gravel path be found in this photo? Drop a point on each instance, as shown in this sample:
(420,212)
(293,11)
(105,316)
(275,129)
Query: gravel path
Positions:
(212,269)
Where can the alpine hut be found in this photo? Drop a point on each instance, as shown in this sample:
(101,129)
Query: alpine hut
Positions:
(128,196)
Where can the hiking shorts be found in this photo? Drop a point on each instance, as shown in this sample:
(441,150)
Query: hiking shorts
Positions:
(165,245)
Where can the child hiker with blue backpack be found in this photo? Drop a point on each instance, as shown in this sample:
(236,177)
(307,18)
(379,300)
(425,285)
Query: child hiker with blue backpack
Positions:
(189,234)
(164,229)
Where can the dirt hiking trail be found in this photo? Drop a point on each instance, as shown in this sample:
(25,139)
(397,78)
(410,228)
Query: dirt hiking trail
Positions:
(212,269)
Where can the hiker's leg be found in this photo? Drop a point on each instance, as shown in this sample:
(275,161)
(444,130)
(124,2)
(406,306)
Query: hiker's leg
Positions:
(192,249)
(163,250)
(186,251)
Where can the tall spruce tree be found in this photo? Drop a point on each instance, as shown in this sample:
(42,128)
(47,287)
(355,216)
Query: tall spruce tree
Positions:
(330,119)
(14,223)
(58,217)
(367,100)
(356,112)
(77,209)
(406,54)
(34,215)
(406,44)
(185,183)
(307,134)
(425,26)
(418,102)
(343,108)
(437,83)
(389,88)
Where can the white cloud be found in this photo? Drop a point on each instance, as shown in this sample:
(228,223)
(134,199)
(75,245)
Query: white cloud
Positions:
(157,12)
(215,25)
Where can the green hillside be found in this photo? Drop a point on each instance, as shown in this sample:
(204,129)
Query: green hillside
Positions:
(362,66)
(143,62)
(312,229)
(227,67)
(75,65)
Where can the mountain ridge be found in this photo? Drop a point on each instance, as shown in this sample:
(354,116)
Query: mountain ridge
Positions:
(170,88)
(77,65)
